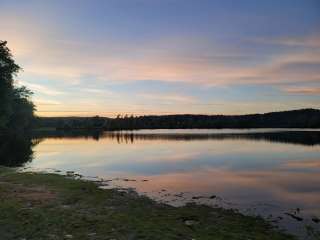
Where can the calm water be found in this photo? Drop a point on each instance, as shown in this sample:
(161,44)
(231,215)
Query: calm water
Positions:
(266,172)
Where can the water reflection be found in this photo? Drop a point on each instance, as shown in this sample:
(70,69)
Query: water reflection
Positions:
(277,135)
(273,172)
(15,151)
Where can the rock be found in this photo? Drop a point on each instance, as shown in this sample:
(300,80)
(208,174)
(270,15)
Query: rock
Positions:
(190,222)
(179,195)
(213,197)
(70,173)
(315,219)
(129,180)
(197,197)
(294,217)
(92,234)
(104,183)
(68,236)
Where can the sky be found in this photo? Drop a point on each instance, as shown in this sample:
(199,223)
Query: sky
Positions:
(140,57)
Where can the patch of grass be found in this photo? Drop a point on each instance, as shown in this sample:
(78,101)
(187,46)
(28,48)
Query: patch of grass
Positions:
(48,206)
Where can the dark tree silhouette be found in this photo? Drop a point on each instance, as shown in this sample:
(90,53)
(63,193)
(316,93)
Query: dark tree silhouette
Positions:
(303,118)
(16,108)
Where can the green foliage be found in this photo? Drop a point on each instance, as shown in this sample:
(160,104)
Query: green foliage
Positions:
(16,108)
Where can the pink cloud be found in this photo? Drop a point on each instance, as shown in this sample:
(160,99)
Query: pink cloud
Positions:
(303,90)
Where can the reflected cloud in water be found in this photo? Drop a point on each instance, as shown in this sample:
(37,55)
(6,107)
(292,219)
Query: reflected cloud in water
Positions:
(271,172)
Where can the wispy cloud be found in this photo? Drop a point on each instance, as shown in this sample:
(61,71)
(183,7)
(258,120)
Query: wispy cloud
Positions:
(42,89)
(194,60)
(312,41)
(67,64)
(169,98)
(303,90)
(46,102)
(60,62)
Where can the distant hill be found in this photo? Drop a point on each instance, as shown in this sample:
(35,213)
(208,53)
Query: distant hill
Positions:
(303,118)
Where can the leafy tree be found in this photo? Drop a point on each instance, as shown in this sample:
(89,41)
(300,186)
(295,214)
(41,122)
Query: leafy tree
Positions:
(16,108)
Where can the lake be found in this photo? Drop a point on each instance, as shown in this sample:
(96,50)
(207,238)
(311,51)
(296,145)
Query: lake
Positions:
(271,172)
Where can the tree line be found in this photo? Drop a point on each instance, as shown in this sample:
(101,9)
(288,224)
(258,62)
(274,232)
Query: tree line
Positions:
(303,118)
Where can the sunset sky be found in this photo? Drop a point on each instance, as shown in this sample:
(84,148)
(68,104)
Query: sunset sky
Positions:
(89,57)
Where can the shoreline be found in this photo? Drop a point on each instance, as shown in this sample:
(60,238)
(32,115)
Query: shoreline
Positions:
(53,206)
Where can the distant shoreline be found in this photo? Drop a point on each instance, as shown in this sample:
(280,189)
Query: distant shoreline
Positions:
(303,118)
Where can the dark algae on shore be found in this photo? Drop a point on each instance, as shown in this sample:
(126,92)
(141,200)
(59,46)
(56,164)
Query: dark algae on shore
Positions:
(49,206)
